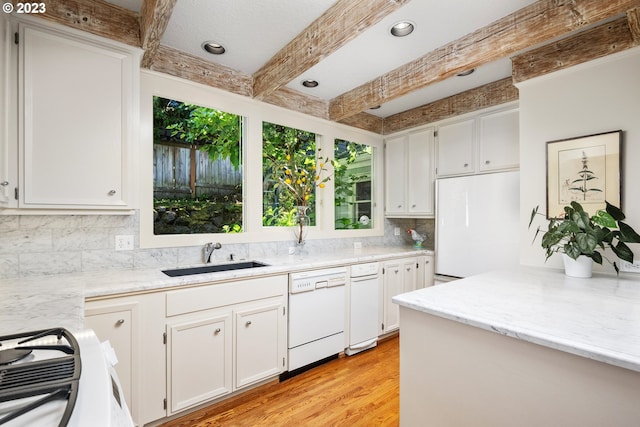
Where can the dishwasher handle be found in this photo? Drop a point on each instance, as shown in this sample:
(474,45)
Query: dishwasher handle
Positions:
(364,278)
(337,281)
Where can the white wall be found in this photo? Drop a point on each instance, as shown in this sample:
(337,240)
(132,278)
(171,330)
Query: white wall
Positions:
(599,96)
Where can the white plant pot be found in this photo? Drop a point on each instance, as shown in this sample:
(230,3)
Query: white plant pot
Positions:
(580,267)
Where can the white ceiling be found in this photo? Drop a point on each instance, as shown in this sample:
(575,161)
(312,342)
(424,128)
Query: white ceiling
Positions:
(253,31)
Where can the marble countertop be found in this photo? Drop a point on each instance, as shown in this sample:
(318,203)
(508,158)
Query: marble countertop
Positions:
(597,318)
(58,301)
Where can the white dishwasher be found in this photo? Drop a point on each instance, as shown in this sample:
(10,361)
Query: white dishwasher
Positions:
(316,315)
(363,307)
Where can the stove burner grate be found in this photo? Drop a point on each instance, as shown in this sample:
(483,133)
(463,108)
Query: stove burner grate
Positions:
(11,355)
(51,379)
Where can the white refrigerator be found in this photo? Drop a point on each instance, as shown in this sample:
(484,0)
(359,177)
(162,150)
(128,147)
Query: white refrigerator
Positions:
(477,223)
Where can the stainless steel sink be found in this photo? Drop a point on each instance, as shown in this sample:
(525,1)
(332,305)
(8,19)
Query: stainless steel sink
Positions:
(213,268)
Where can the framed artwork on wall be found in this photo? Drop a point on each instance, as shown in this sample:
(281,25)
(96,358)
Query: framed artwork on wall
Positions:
(584,169)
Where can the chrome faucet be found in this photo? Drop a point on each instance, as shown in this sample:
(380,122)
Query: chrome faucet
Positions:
(208,249)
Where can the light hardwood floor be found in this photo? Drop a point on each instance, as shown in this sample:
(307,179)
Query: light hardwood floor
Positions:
(359,391)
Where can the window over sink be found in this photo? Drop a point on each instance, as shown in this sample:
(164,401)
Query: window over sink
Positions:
(197,169)
(289,170)
(247,130)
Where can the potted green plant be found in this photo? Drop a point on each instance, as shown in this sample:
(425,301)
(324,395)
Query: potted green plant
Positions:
(577,235)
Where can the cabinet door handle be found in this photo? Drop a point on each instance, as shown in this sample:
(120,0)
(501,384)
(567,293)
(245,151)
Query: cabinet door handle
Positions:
(112,192)
(120,322)
(466,164)
(4,183)
(217,331)
(413,206)
(248,323)
(486,162)
(426,262)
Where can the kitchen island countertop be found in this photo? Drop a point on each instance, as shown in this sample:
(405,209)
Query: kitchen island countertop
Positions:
(33,303)
(597,318)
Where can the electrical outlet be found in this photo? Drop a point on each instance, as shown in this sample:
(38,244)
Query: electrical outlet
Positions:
(357,245)
(396,231)
(124,242)
(630,268)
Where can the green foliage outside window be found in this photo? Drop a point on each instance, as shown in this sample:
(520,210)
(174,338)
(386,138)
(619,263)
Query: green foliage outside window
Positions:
(182,206)
(282,145)
(193,194)
(353,190)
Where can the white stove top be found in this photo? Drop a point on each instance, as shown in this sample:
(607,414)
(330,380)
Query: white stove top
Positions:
(96,404)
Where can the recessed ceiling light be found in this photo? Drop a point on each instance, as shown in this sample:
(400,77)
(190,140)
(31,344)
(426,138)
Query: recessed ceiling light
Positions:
(402,28)
(310,83)
(466,73)
(213,48)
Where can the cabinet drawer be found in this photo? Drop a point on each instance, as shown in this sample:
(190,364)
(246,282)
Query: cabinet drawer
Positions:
(184,301)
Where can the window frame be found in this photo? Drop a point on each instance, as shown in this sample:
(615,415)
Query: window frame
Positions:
(254,112)
(372,194)
(194,166)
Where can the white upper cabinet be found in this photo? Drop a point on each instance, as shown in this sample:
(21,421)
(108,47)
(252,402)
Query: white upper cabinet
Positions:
(395,175)
(499,137)
(456,149)
(78,110)
(409,175)
(8,151)
(485,142)
(420,173)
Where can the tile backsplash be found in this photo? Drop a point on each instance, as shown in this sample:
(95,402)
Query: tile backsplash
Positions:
(33,245)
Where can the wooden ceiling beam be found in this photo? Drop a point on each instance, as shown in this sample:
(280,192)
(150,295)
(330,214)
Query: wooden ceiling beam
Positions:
(179,64)
(298,101)
(530,26)
(96,17)
(633,16)
(365,121)
(154,17)
(341,23)
(489,95)
(590,44)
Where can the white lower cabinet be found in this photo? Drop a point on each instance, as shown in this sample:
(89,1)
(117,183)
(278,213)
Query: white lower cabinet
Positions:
(199,361)
(392,286)
(134,325)
(425,275)
(224,337)
(117,322)
(259,333)
(184,347)
(188,346)
(398,276)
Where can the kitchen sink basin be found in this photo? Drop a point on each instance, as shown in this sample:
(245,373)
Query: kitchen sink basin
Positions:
(213,268)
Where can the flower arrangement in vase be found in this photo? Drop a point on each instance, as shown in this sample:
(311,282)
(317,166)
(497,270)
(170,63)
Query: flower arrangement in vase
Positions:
(300,174)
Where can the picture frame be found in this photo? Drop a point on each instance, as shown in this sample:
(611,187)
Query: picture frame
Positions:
(585,169)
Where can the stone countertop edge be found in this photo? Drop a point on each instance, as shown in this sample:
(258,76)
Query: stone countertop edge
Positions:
(132,281)
(596,318)
(42,302)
